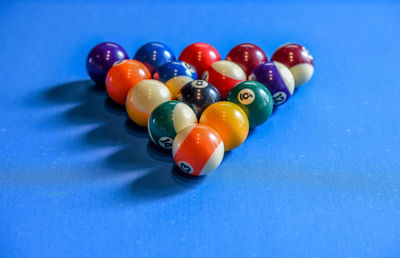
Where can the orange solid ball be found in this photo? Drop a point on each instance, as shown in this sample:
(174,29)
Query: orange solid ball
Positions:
(229,120)
(122,77)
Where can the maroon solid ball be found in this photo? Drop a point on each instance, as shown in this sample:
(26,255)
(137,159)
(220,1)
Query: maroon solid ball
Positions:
(248,56)
(298,59)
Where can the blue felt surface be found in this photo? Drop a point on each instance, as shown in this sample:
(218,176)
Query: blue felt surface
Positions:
(321,178)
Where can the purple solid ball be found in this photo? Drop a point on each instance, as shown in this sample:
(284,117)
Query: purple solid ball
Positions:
(101,58)
(277,78)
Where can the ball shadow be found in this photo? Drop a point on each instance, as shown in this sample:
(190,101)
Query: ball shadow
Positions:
(135,130)
(162,182)
(227,154)
(88,113)
(114,108)
(112,128)
(158,152)
(129,158)
(251,132)
(274,110)
(73,92)
(184,179)
(94,107)
(155,185)
(110,135)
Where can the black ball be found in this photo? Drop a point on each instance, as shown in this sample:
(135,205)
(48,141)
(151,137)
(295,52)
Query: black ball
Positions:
(199,94)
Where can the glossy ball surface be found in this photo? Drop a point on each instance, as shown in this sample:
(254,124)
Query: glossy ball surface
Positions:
(143,98)
(298,59)
(154,54)
(230,122)
(122,77)
(101,58)
(254,99)
(277,78)
(167,120)
(200,55)
(198,149)
(224,75)
(199,95)
(175,75)
(248,56)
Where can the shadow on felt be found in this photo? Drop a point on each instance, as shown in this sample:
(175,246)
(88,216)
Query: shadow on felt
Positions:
(162,182)
(112,128)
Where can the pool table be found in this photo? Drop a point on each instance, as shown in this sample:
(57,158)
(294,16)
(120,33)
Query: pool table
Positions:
(321,178)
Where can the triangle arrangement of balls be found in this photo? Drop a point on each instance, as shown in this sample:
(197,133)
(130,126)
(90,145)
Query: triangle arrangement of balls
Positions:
(199,105)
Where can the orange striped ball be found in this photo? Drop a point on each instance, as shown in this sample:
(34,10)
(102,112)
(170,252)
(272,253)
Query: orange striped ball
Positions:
(198,149)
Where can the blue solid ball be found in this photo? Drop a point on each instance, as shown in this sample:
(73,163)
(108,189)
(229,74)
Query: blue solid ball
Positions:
(154,54)
(174,69)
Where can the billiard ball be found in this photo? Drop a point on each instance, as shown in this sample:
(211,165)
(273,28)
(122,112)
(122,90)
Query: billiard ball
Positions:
(101,58)
(143,98)
(230,122)
(277,78)
(198,94)
(298,59)
(248,56)
(154,54)
(167,120)
(224,75)
(255,100)
(122,77)
(175,75)
(200,55)
(198,149)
